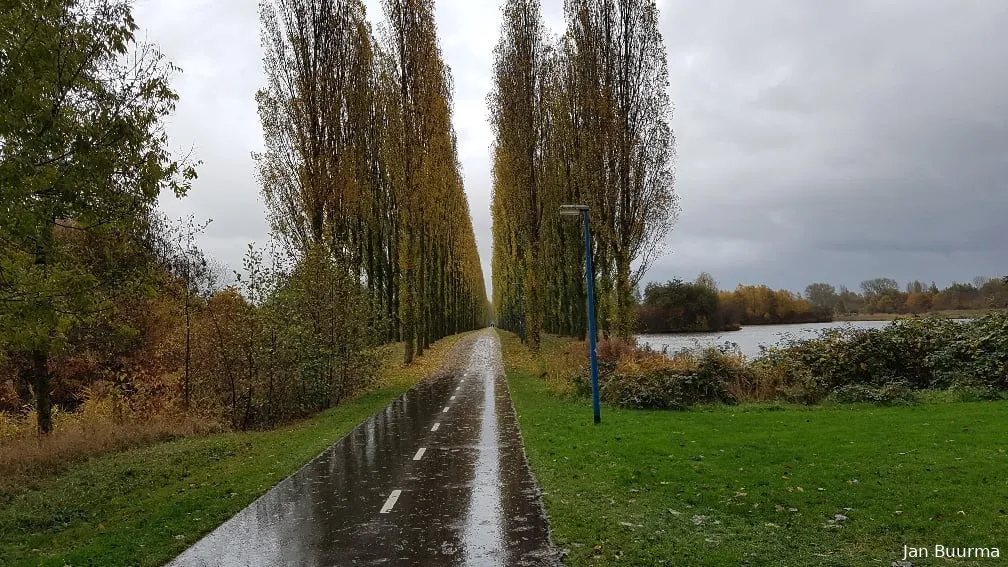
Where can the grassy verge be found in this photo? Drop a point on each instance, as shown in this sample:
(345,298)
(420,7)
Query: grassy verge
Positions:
(763,485)
(144,506)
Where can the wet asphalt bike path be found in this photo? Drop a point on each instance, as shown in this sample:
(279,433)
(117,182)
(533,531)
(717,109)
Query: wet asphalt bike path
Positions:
(438,477)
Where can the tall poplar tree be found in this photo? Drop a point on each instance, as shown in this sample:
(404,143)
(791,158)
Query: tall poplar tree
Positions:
(361,160)
(602,137)
(516,110)
(638,206)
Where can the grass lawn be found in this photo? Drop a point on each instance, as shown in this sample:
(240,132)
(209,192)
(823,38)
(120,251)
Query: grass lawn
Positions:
(764,485)
(144,506)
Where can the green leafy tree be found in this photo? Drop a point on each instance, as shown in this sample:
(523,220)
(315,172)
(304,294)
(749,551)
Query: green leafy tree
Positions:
(83,158)
(678,307)
(822,296)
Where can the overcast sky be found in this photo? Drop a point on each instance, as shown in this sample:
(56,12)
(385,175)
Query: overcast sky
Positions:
(817,141)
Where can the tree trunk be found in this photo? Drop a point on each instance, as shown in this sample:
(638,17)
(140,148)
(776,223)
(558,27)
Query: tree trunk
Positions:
(423,299)
(270,406)
(407,302)
(624,301)
(37,374)
(188,350)
(533,307)
(23,385)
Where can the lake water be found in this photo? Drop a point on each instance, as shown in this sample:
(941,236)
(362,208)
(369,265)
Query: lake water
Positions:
(750,338)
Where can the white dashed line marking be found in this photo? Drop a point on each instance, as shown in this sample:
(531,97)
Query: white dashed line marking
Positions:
(419,454)
(453,398)
(390,502)
(445,410)
(436,426)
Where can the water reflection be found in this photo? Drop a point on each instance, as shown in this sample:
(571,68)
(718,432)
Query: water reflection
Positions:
(483,541)
(750,338)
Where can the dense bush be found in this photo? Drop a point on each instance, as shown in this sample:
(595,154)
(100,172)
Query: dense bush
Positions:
(642,378)
(885,366)
(893,393)
(978,355)
(286,342)
(924,353)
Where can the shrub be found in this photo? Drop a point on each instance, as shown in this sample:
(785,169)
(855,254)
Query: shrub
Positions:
(803,388)
(844,365)
(644,378)
(662,389)
(973,391)
(612,350)
(655,390)
(893,393)
(922,354)
(978,353)
(725,365)
(912,351)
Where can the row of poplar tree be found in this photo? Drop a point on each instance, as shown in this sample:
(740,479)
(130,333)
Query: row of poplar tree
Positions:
(581,119)
(362,161)
(372,238)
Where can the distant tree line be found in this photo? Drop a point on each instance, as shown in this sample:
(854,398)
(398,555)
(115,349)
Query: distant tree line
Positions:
(699,306)
(884,295)
(584,119)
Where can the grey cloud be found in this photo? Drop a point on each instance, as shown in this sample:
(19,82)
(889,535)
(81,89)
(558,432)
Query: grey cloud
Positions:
(216,43)
(817,141)
(841,140)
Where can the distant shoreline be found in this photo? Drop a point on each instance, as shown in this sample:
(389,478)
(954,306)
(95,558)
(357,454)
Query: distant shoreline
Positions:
(942,314)
(851,318)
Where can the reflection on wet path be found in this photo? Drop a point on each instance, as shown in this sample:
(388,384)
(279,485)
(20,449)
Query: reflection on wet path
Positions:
(468,500)
(483,523)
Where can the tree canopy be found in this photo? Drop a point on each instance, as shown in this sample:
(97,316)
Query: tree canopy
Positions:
(582,120)
(83,158)
(361,160)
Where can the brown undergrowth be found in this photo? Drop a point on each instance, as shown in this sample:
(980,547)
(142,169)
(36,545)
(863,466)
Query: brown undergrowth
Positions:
(103,423)
(107,421)
(635,376)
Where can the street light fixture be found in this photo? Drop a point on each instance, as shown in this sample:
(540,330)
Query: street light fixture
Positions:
(574,210)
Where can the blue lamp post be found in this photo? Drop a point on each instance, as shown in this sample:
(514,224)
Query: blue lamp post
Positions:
(582,210)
